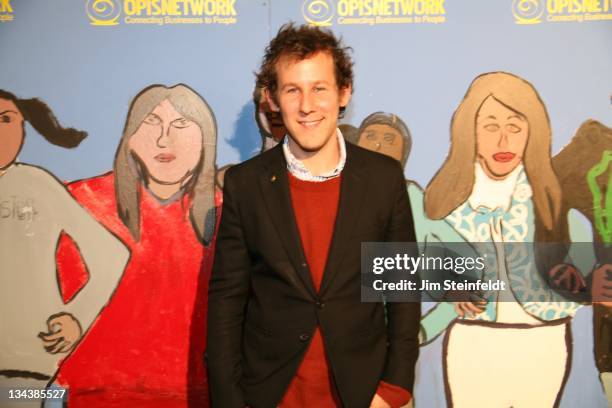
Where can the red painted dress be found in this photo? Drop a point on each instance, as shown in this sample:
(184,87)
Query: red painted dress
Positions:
(146,348)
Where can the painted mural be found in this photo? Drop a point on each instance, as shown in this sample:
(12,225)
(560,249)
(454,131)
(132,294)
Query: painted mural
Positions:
(160,199)
(386,134)
(497,185)
(585,173)
(38,328)
(107,236)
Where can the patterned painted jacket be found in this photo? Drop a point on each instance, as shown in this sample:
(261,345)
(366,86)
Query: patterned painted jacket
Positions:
(469,225)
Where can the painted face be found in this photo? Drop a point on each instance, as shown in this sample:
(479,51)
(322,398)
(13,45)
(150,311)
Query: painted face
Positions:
(309,100)
(501,138)
(275,121)
(11,132)
(169,145)
(382,139)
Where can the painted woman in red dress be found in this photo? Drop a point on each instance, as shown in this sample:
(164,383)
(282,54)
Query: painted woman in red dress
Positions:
(146,348)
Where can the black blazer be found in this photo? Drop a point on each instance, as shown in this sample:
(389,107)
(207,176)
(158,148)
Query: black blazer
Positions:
(263,308)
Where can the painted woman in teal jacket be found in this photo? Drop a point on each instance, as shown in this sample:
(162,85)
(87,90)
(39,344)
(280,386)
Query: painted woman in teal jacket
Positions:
(497,190)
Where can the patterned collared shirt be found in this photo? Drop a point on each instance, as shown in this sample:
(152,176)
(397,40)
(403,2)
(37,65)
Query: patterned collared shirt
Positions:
(298,170)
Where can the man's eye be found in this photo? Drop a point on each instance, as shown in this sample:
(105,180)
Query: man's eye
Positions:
(371,135)
(5,119)
(512,128)
(389,138)
(492,127)
(291,90)
(152,120)
(181,123)
(319,89)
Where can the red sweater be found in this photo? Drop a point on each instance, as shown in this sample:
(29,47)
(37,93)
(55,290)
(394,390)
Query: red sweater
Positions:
(146,348)
(315,205)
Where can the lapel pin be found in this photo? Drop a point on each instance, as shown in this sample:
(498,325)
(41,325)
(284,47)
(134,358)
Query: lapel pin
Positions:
(273,178)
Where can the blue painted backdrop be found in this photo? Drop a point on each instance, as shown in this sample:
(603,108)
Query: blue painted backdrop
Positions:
(88,75)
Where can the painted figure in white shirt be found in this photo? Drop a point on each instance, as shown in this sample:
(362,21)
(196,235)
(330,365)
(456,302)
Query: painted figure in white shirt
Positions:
(497,185)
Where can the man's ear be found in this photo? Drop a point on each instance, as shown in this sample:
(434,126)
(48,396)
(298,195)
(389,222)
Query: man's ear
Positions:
(271,99)
(345,95)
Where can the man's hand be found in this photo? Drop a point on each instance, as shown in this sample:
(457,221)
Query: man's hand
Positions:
(601,288)
(64,332)
(567,278)
(378,402)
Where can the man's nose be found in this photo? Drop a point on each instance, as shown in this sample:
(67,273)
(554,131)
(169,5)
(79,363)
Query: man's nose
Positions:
(306,103)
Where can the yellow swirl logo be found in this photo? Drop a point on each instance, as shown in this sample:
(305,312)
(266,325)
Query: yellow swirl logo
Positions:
(318,12)
(6,11)
(527,11)
(103,12)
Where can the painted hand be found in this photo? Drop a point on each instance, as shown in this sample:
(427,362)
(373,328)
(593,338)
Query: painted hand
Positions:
(469,309)
(466,303)
(378,402)
(601,288)
(64,332)
(567,278)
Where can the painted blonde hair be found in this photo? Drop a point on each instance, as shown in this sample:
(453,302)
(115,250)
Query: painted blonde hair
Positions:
(453,183)
(129,172)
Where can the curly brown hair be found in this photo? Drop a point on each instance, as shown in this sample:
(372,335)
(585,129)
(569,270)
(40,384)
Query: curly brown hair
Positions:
(301,42)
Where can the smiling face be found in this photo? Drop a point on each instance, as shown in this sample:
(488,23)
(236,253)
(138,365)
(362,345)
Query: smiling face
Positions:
(168,144)
(383,139)
(11,133)
(501,138)
(309,100)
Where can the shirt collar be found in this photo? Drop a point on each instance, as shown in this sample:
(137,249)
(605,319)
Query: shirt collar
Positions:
(298,170)
(489,194)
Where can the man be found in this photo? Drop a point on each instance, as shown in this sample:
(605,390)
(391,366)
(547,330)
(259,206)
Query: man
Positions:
(286,325)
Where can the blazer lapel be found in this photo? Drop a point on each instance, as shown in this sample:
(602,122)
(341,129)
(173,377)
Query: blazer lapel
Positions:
(274,185)
(352,190)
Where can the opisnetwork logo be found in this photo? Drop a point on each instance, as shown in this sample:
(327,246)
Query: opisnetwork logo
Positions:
(160,12)
(371,12)
(558,11)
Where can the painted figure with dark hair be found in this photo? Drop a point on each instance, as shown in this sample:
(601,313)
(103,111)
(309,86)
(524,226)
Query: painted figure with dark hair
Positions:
(269,122)
(497,189)
(349,132)
(286,324)
(584,168)
(387,134)
(37,327)
(147,346)
(271,129)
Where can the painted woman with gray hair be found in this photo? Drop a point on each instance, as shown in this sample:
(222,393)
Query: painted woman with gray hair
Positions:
(160,200)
